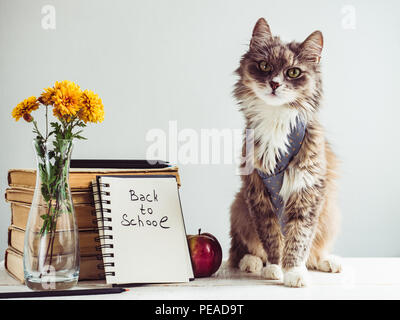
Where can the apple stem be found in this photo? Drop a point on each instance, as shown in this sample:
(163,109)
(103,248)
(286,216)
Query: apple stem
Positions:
(199,230)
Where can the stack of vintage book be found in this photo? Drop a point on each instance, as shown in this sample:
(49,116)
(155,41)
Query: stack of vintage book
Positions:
(21,186)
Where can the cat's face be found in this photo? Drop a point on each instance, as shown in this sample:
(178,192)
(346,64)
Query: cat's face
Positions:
(280,73)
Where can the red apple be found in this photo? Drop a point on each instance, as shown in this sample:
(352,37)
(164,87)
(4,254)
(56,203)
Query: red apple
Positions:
(206,254)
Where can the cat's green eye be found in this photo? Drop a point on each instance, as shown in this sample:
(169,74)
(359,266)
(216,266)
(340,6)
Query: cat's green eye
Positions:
(264,66)
(293,73)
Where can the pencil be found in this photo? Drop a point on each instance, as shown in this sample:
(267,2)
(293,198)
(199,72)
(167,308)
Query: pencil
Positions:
(60,293)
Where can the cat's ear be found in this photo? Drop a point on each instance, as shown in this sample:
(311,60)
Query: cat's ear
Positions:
(311,48)
(261,31)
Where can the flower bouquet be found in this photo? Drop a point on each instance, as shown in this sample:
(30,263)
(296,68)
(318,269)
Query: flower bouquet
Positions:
(51,249)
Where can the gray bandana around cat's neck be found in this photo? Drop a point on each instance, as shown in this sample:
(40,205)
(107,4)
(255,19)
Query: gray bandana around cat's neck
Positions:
(273,181)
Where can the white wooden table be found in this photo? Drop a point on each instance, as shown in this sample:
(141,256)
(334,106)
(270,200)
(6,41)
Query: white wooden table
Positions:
(362,278)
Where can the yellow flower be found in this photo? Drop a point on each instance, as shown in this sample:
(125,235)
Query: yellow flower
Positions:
(92,107)
(25,107)
(67,98)
(47,97)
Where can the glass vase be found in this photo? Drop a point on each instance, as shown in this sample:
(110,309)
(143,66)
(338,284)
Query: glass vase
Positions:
(51,248)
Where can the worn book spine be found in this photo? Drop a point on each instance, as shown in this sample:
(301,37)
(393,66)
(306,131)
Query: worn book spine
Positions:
(85,216)
(25,196)
(88,241)
(81,179)
(13,263)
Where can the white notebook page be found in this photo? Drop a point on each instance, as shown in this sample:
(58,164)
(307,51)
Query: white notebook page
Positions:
(148,234)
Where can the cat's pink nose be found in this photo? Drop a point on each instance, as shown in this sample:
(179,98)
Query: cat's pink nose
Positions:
(274,85)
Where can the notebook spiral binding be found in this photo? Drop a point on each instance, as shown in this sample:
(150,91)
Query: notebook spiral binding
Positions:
(103,220)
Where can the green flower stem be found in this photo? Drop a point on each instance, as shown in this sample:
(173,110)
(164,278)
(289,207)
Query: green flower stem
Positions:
(53,172)
(36,130)
(53,233)
(48,245)
(47,122)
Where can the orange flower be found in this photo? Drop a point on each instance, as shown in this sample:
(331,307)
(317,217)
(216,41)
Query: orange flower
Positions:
(47,97)
(92,107)
(24,108)
(67,99)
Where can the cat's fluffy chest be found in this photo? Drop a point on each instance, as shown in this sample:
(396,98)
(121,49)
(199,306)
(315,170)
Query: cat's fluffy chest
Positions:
(272,126)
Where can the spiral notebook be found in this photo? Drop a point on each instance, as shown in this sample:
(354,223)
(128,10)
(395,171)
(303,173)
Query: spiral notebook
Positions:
(141,230)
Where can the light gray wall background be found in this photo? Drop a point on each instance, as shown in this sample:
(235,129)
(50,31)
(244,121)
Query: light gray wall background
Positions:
(156,61)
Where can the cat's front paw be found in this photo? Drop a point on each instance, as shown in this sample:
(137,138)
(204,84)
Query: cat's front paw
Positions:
(330,264)
(296,277)
(272,272)
(250,263)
